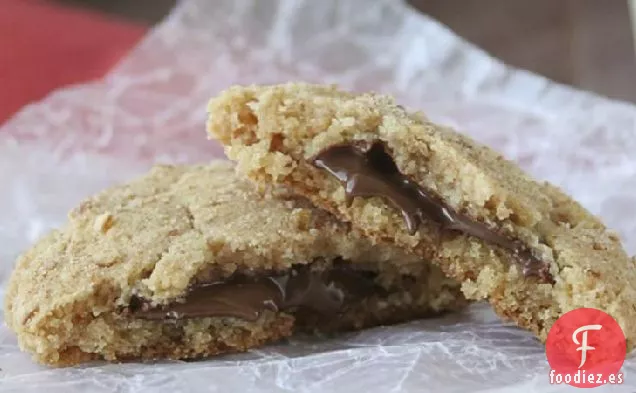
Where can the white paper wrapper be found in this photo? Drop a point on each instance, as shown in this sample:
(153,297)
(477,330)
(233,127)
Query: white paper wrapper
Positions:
(152,109)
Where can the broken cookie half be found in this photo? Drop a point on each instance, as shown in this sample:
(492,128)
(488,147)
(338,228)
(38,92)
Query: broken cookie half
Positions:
(528,248)
(189,261)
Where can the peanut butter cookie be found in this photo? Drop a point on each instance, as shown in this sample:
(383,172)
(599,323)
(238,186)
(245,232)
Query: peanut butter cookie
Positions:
(189,261)
(524,245)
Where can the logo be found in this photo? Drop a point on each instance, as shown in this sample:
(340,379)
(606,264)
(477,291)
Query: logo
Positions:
(586,348)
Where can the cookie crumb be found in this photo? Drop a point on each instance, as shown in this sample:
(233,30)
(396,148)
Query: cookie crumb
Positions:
(613,236)
(108,262)
(598,246)
(103,222)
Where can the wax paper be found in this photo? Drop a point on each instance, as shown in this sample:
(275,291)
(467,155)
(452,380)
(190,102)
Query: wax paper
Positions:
(151,109)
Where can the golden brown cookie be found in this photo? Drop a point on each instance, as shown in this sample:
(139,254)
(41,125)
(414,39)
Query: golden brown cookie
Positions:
(189,261)
(528,248)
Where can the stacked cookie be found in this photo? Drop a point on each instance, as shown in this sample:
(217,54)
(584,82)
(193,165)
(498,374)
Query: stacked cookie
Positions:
(191,261)
(340,205)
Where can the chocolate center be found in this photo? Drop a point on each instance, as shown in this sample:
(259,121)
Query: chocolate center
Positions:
(368,171)
(246,297)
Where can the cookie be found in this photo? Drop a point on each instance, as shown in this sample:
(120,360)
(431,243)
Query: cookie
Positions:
(190,261)
(524,245)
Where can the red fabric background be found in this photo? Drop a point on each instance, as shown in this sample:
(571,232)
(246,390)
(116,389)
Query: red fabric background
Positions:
(44,45)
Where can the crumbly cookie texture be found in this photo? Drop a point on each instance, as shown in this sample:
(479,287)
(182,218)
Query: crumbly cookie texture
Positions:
(68,298)
(275,134)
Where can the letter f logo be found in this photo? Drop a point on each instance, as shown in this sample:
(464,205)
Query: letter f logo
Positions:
(583,345)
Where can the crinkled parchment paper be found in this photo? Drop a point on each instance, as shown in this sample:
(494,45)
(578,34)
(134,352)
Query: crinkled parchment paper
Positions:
(151,108)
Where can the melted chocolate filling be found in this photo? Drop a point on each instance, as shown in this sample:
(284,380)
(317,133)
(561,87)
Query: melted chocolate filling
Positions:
(369,170)
(246,297)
